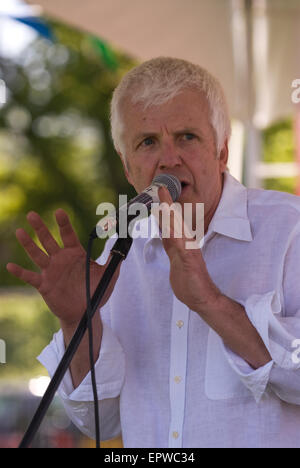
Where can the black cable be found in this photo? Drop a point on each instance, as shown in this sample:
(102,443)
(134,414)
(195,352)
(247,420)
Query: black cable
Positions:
(90,334)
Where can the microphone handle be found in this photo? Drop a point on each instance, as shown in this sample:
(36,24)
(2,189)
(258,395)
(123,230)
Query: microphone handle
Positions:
(143,198)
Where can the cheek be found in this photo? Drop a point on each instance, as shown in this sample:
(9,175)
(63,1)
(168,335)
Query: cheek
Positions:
(141,166)
(205,170)
(140,175)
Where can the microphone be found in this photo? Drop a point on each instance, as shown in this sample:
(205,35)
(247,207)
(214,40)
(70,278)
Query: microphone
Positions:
(146,198)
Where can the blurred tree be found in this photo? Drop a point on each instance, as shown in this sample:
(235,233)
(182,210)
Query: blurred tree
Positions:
(55,151)
(26,326)
(55,144)
(279,146)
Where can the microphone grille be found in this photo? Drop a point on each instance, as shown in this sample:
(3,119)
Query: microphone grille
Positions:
(171,182)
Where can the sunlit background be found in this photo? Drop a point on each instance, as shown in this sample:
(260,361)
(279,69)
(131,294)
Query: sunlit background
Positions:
(56,151)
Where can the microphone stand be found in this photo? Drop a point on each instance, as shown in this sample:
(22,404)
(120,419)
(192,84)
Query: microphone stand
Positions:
(119,252)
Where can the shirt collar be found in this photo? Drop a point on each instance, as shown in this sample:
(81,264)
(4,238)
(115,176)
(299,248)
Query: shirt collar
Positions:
(230,218)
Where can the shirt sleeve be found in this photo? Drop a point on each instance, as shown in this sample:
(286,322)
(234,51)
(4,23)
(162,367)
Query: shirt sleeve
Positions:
(78,403)
(110,374)
(276,317)
(280,335)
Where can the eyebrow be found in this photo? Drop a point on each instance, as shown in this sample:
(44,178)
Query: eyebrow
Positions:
(189,130)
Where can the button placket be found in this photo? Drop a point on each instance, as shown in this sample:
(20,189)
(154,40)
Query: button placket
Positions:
(178,364)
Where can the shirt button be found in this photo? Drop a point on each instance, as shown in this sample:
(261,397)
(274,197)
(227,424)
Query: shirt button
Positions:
(177,379)
(175,435)
(179,323)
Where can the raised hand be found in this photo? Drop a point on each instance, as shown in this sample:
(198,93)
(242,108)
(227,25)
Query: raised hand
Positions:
(61,280)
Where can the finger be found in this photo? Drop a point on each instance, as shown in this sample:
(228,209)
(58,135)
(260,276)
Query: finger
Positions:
(164,195)
(67,233)
(171,221)
(163,218)
(43,233)
(34,252)
(169,216)
(30,277)
(179,228)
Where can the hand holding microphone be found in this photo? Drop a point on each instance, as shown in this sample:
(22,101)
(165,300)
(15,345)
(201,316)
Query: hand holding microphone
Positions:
(119,221)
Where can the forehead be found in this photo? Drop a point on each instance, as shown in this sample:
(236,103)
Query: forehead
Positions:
(189,108)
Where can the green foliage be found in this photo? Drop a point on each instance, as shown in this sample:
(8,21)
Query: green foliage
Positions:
(279,146)
(26,326)
(283,184)
(55,144)
(55,151)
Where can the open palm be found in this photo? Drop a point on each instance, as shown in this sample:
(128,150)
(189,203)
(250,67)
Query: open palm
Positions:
(61,280)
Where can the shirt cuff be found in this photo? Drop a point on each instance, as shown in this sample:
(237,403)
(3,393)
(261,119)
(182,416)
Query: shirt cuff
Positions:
(109,368)
(263,312)
(256,380)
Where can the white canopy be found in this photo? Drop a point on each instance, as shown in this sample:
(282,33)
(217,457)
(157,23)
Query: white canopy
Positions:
(212,33)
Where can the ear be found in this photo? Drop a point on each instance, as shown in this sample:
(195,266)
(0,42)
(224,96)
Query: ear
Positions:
(223,157)
(125,167)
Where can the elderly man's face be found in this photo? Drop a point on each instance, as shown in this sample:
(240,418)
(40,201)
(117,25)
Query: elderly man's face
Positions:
(175,138)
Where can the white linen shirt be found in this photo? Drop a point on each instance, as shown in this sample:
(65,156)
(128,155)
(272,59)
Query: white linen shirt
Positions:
(164,378)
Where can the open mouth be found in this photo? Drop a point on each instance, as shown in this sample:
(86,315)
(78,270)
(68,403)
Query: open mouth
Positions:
(184,185)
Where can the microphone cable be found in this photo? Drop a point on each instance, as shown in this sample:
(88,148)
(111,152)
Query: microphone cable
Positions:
(90,335)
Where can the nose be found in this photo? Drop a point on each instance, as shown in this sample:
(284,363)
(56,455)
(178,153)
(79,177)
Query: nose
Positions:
(170,157)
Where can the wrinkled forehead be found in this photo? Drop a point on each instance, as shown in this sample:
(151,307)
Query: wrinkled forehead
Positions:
(187,103)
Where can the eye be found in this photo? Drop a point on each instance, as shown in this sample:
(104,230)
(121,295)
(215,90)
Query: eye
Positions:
(147,141)
(189,136)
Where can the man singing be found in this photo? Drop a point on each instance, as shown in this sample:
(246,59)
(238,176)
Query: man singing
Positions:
(193,347)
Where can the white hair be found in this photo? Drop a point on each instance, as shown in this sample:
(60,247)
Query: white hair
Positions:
(157,81)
